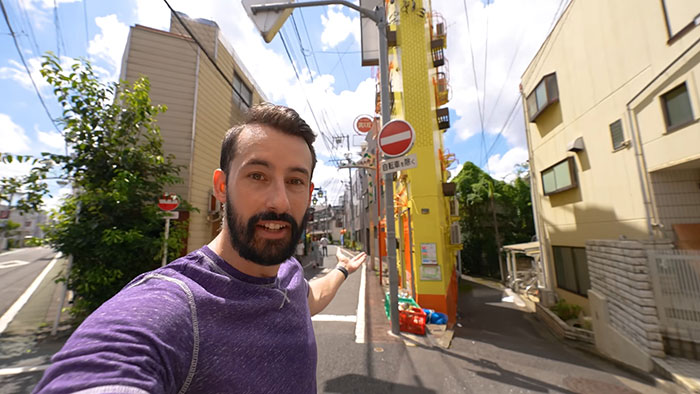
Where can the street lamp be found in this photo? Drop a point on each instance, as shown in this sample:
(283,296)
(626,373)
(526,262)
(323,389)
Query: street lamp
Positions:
(269,18)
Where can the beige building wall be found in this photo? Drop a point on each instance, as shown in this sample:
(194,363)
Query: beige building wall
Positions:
(608,55)
(200,102)
(173,85)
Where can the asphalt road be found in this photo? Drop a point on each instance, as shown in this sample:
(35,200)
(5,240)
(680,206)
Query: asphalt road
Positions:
(18,269)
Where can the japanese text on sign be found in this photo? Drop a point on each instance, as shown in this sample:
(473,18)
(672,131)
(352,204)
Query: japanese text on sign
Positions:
(400,163)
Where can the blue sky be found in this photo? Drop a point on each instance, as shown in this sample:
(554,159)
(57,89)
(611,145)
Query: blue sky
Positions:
(501,36)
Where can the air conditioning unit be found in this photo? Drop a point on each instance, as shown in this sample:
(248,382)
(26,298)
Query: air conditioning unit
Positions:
(454,206)
(455,234)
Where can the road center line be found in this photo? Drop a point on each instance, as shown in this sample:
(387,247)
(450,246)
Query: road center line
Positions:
(19,370)
(17,306)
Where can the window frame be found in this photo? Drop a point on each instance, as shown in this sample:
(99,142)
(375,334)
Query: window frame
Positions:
(238,95)
(576,270)
(664,108)
(572,175)
(551,85)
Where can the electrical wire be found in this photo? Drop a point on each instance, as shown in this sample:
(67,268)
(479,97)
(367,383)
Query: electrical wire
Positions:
(25,17)
(85,19)
(59,33)
(503,128)
(24,62)
(206,53)
(476,82)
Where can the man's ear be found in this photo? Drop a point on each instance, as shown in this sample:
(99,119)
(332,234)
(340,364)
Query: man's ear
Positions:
(220,185)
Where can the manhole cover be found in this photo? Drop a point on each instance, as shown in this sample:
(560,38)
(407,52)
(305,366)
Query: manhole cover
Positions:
(592,386)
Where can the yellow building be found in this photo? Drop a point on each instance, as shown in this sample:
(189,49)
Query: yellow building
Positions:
(203,103)
(426,220)
(612,106)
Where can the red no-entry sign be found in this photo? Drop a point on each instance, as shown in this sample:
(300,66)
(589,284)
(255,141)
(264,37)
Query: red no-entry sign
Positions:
(168,202)
(396,138)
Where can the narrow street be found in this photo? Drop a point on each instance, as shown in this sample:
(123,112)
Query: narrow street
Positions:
(18,268)
(499,348)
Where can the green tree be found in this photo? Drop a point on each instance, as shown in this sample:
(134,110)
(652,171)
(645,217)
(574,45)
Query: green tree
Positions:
(117,168)
(513,213)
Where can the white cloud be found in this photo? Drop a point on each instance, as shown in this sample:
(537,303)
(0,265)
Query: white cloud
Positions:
(51,139)
(15,141)
(16,72)
(13,136)
(503,167)
(512,44)
(109,44)
(53,202)
(337,27)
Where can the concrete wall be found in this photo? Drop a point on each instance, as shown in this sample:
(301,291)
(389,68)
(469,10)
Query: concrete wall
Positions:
(622,302)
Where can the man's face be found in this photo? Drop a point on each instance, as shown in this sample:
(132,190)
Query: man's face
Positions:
(268,194)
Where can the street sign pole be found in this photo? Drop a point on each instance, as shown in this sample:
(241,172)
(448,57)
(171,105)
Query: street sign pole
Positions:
(165,242)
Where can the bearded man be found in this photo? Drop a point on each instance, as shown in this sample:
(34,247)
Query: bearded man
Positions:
(233,316)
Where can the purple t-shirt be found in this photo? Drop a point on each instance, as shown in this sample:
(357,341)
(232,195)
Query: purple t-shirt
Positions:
(197,325)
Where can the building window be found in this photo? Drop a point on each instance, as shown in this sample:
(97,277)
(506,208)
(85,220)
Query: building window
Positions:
(676,107)
(545,94)
(559,177)
(617,135)
(572,269)
(242,95)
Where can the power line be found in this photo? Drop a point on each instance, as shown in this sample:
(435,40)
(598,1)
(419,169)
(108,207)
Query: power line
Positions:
(301,46)
(503,128)
(308,38)
(59,34)
(25,17)
(24,62)
(85,18)
(476,82)
(201,47)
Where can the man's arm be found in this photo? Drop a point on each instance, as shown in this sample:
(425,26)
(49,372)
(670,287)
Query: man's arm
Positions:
(140,341)
(323,290)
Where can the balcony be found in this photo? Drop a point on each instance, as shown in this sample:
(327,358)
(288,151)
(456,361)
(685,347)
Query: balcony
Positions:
(443,118)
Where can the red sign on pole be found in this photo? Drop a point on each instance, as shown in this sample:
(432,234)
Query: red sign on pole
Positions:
(168,202)
(363,123)
(396,138)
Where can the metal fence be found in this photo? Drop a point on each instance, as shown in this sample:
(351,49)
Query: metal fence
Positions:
(676,280)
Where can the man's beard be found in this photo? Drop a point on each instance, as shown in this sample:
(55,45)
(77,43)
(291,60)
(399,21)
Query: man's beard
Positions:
(265,252)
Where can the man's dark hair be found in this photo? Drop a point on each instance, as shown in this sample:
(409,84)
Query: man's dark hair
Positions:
(279,117)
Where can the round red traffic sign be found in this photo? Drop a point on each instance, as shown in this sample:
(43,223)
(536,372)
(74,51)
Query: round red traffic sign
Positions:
(168,202)
(363,123)
(396,138)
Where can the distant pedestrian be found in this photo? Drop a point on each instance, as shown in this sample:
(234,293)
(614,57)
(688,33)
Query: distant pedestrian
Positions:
(324,245)
(233,316)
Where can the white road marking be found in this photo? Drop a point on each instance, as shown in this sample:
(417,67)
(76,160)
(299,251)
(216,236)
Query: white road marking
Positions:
(17,306)
(12,263)
(360,326)
(19,370)
(338,318)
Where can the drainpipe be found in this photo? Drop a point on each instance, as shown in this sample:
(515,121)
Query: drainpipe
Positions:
(639,159)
